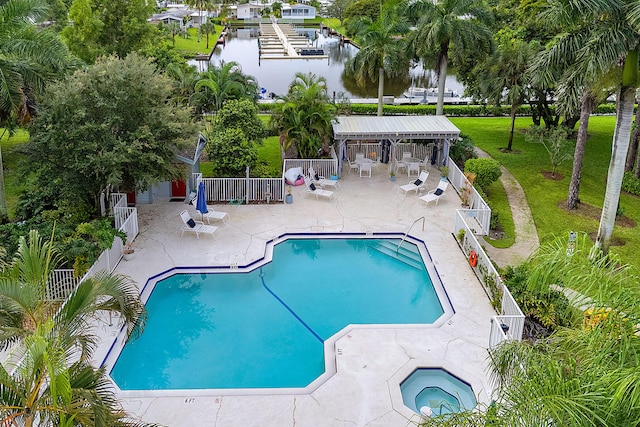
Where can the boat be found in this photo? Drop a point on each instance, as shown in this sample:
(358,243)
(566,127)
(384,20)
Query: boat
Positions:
(426,92)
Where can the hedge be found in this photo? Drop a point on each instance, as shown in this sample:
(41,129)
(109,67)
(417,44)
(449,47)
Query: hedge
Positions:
(449,110)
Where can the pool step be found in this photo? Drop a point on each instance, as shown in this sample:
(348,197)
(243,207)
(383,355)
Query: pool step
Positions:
(407,253)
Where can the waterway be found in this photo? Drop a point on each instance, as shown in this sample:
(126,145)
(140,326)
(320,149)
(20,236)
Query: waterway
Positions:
(275,75)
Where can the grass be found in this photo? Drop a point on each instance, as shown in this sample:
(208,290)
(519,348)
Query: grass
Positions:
(13,180)
(527,161)
(190,46)
(500,204)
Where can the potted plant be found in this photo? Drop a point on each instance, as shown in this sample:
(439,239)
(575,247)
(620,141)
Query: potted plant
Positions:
(289,197)
(392,175)
(128,252)
(444,172)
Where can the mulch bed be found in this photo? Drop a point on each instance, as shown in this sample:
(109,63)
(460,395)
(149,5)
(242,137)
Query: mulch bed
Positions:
(551,176)
(588,211)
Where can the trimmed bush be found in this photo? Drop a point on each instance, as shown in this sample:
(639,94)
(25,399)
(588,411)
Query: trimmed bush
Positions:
(487,171)
(631,184)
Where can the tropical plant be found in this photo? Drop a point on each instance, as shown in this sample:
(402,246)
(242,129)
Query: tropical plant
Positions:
(31,57)
(220,83)
(304,119)
(555,141)
(207,28)
(381,49)
(441,24)
(52,382)
(174,28)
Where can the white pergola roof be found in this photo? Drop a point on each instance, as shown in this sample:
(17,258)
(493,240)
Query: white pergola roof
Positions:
(394,128)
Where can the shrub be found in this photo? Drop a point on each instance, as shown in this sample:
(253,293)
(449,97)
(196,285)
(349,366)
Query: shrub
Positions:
(487,171)
(462,150)
(631,184)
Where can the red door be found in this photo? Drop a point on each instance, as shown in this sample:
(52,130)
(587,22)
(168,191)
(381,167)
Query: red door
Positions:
(178,189)
(131,198)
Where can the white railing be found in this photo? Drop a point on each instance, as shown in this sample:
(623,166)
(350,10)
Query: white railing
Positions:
(117,200)
(509,313)
(479,210)
(374,150)
(126,220)
(243,190)
(63,281)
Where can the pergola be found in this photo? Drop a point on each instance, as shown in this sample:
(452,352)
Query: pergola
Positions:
(394,129)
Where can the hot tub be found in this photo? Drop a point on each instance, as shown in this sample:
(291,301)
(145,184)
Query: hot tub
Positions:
(437,389)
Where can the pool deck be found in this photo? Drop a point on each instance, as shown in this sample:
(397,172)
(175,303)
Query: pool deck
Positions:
(370,362)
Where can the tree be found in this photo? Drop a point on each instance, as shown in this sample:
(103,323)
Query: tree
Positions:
(113,124)
(506,76)
(304,119)
(174,28)
(104,27)
(30,58)
(52,382)
(553,140)
(585,374)
(232,152)
(440,24)
(200,5)
(338,8)
(220,83)
(242,114)
(381,49)
(207,28)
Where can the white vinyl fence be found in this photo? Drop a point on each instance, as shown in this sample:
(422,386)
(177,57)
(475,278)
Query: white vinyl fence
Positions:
(509,323)
(478,214)
(63,281)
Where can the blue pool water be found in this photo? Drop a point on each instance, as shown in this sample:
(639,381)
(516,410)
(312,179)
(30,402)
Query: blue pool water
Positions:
(266,328)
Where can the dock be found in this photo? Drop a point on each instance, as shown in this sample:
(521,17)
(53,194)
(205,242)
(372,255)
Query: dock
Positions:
(282,41)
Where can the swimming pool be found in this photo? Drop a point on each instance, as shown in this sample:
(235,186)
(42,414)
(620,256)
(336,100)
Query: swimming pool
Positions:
(268,325)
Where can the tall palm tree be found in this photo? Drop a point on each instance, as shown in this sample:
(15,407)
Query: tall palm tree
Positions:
(381,49)
(443,23)
(506,76)
(304,119)
(29,57)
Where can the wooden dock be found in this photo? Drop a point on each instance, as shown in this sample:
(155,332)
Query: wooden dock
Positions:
(282,41)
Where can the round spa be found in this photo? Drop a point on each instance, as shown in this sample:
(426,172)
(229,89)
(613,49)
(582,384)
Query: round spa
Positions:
(437,389)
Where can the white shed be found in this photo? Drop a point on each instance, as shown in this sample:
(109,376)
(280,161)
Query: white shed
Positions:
(298,11)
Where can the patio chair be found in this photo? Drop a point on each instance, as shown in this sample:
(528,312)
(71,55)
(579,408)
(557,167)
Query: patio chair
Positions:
(434,195)
(397,165)
(318,192)
(353,166)
(197,227)
(322,181)
(413,167)
(365,167)
(417,185)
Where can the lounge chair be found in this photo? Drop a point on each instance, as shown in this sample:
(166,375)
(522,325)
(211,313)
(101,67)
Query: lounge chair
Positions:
(322,181)
(434,195)
(416,185)
(318,192)
(197,227)
(212,214)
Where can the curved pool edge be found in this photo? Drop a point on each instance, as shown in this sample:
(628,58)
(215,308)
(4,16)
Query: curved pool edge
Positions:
(329,345)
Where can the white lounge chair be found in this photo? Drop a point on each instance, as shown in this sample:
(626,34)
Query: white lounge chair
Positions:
(318,192)
(434,195)
(416,185)
(197,227)
(322,181)
(212,214)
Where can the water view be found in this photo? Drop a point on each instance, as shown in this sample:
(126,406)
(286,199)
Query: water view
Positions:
(275,75)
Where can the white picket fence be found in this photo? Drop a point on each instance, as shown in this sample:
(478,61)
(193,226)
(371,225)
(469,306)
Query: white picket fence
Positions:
(509,323)
(63,281)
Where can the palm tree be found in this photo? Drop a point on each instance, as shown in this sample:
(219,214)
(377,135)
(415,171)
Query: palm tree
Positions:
(506,76)
(220,83)
(174,28)
(52,382)
(29,57)
(440,24)
(207,28)
(304,119)
(200,5)
(381,49)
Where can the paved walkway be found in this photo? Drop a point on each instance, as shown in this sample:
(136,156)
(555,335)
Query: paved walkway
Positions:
(525,229)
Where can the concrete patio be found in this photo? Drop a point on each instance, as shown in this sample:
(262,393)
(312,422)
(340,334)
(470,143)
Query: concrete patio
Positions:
(370,362)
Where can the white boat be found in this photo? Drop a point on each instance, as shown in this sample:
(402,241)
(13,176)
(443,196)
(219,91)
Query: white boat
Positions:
(429,92)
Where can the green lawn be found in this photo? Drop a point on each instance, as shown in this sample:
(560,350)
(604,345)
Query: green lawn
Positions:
(191,47)
(13,180)
(526,163)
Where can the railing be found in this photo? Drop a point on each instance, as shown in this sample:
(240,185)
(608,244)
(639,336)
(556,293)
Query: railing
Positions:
(479,210)
(243,190)
(418,151)
(408,230)
(509,314)
(63,281)
(117,200)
